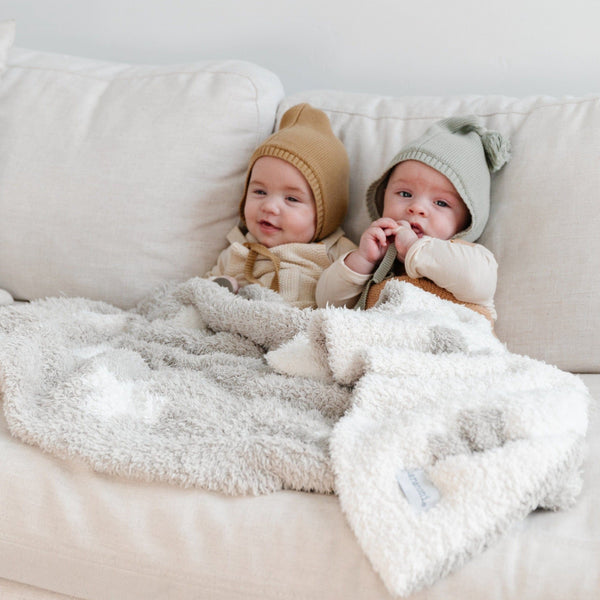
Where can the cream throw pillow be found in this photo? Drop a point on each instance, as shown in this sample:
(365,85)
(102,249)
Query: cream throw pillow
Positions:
(115,178)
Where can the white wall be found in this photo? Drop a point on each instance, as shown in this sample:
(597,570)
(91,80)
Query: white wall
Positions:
(396,47)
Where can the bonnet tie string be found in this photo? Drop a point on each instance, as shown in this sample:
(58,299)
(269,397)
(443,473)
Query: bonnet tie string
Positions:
(254,250)
(383,270)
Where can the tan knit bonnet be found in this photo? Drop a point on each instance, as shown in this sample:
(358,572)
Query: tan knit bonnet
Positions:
(305,140)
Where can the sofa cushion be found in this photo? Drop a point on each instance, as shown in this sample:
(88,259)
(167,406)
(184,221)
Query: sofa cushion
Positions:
(544,220)
(115,177)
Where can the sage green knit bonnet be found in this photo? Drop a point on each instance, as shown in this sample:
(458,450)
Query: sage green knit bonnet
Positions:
(463,150)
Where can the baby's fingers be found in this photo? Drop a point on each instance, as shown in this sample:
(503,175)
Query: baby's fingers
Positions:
(379,235)
(384,223)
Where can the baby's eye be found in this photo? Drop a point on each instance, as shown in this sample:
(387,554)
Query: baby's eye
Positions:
(404,194)
(292,199)
(442,203)
(259,192)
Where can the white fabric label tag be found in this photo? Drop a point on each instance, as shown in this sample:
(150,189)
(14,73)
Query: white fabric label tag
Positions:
(418,489)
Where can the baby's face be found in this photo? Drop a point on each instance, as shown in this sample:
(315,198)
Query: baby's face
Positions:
(425,198)
(280,206)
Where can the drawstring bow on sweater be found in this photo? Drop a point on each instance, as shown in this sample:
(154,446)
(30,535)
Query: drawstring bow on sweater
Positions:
(254,250)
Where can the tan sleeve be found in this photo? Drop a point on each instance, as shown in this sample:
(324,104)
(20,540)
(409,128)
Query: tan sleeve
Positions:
(467,270)
(339,285)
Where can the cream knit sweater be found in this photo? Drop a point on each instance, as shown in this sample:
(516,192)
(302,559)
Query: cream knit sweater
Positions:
(298,266)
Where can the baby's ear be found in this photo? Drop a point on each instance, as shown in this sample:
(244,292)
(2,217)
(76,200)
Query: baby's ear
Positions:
(5,298)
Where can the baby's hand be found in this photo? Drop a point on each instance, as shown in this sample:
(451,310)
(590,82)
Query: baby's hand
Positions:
(405,238)
(373,245)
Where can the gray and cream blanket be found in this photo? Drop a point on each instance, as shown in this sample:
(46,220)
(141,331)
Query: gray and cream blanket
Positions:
(434,436)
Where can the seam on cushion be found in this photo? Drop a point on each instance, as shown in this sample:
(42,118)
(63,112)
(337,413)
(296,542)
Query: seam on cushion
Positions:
(249,80)
(132,77)
(482,114)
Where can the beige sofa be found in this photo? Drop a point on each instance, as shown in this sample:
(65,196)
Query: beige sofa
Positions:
(115,178)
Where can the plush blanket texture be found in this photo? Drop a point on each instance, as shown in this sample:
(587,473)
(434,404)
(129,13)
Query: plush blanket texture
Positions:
(434,436)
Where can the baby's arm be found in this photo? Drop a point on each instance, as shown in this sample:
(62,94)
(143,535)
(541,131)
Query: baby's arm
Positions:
(468,271)
(340,285)
(222,261)
(217,273)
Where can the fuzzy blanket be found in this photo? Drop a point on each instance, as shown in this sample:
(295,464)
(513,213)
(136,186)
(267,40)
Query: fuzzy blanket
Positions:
(434,436)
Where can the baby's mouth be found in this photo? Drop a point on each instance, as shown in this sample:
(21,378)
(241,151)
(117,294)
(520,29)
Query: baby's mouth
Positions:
(417,229)
(267,226)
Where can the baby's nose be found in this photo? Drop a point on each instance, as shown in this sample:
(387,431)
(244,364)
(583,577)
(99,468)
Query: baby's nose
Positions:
(270,204)
(417,207)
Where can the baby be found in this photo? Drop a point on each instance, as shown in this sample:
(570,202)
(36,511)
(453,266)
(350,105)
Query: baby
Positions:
(294,202)
(429,206)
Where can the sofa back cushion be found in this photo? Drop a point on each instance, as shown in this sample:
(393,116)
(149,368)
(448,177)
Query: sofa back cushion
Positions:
(545,217)
(115,178)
